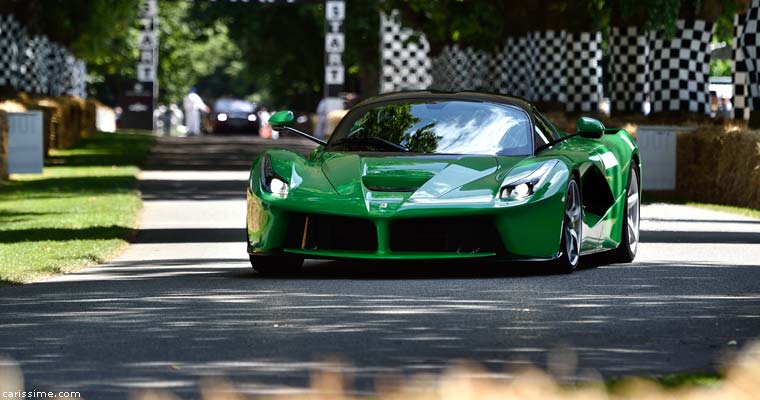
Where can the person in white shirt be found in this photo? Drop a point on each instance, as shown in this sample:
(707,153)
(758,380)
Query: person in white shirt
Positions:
(193,105)
(325,106)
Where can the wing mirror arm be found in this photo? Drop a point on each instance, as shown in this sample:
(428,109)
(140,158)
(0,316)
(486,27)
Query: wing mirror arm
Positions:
(284,121)
(304,134)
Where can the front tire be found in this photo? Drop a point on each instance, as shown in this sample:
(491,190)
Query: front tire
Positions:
(276,264)
(629,239)
(572,225)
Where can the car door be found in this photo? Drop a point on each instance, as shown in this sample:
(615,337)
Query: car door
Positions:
(592,158)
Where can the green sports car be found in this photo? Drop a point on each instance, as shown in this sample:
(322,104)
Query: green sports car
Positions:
(432,176)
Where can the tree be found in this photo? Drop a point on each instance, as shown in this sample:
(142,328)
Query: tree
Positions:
(101,32)
(189,50)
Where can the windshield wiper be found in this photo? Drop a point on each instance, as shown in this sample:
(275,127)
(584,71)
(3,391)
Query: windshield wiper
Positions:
(371,141)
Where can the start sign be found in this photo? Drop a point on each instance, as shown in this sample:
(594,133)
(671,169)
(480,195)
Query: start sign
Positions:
(335,45)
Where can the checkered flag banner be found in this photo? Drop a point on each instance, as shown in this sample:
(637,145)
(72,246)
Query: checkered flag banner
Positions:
(681,69)
(549,66)
(741,108)
(749,47)
(12,36)
(34,64)
(405,62)
(672,73)
(543,66)
(629,68)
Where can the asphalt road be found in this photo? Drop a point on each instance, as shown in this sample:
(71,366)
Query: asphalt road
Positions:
(182,302)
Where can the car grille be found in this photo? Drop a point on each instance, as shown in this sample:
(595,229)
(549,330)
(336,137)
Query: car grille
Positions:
(448,235)
(452,235)
(327,232)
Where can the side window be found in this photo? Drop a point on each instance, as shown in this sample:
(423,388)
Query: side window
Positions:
(547,126)
(541,134)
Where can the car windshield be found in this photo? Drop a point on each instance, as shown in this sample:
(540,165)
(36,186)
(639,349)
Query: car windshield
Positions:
(436,126)
(228,105)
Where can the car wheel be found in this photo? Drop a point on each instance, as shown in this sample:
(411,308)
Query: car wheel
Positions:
(276,264)
(572,225)
(629,242)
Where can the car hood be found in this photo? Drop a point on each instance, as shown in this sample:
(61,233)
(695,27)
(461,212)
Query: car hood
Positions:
(418,177)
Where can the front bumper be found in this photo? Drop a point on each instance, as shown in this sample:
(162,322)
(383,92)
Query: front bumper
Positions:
(528,231)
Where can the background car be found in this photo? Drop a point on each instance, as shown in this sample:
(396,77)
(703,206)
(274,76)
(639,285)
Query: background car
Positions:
(432,176)
(234,115)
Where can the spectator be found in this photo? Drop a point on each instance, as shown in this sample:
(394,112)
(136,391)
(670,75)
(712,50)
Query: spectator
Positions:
(646,106)
(193,105)
(714,106)
(725,108)
(324,108)
(265,130)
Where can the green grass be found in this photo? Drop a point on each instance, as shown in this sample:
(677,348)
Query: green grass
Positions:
(747,212)
(78,212)
(672,381)
(651,197)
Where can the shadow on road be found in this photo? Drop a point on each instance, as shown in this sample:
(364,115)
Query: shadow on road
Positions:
(170,322)
(216,153)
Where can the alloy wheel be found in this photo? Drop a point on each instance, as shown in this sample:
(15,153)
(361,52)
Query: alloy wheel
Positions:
(573,223)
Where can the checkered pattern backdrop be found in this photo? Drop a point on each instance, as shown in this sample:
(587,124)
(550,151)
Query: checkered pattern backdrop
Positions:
(741,75)
(749,45)
(11,39)
(405,62)
(541,66)
(680,69)
(36,65)
(672,73)
(629,68)
(461,69)
(583,70)
(511,69)
(549,79)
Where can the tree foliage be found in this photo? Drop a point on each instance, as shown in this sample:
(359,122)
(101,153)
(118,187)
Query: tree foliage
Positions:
(485,25)
(190,50)
(276,51)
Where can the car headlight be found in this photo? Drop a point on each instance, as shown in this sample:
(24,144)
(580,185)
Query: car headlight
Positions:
(221,117)
(523,185)
(252,117)
(270,181)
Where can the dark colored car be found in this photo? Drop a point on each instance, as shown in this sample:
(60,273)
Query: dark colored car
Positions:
(234,115)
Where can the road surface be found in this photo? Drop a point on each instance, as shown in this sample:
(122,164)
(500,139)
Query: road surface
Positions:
(182,303)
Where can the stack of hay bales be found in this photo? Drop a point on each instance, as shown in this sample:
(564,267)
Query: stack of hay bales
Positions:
(721,166)
(67,119)
(64,119)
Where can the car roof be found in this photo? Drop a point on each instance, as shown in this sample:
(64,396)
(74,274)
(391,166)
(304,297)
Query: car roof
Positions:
(436,95)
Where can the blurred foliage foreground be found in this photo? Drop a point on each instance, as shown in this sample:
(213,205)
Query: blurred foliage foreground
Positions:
(470,382)
(78,212)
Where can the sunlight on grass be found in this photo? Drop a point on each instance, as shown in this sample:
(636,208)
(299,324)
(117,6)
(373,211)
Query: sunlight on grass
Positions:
(747,212)
(78,212)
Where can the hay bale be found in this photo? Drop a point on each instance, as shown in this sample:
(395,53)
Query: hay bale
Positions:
(3,145)
(719,166)
(70,115)
(90,116)
(12,106)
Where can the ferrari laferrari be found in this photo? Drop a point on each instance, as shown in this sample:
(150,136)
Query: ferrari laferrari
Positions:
(446,176)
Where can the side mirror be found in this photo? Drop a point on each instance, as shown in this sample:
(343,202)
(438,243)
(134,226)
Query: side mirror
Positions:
(281,120)
(589,128)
